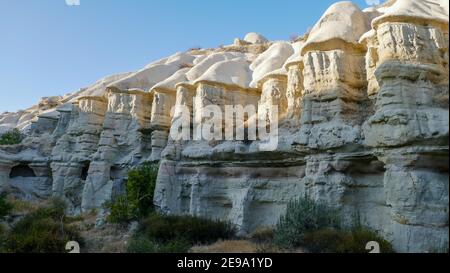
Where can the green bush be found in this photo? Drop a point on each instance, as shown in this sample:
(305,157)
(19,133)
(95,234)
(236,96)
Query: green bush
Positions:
(119,210)
(343,241)
(11,137)
(361,236)
(193,230)
(142,244)
(42,231)
(138,201)
(141,188)
(303,215)
(317,228)
(5,206)
(2,237)
(177,234)
(326,240)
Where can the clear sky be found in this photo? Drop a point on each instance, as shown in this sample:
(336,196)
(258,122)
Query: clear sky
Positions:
(49,48)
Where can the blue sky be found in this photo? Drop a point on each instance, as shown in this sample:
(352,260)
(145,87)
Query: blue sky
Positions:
(49,48)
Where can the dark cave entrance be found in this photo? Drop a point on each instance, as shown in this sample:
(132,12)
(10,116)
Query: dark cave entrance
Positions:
(85,170)
(115,173)
(21,170)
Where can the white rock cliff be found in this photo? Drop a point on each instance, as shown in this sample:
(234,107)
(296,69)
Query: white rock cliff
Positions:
(363,111)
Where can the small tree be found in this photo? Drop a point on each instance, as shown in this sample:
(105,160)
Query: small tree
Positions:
(5,206)
(119,210)
(140,189)
(303,215)
(138,201)
(11,137)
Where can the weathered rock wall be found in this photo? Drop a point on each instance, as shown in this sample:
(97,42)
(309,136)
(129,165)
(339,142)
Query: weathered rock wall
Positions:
(409,130)
(72,155)
(123,144)
(366,129)
(362,104)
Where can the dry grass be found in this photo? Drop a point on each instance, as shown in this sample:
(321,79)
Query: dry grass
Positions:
(262,235)
(259,241)
(242,246)
(271,248)
(233,246)
(119,246)
(112,238)
(24,207)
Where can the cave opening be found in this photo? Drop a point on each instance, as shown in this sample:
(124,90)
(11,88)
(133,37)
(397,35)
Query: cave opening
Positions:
(21,170)
(114,173)
(85,170)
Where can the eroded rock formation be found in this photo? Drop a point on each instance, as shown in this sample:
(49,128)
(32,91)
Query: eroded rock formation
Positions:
(362,104)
